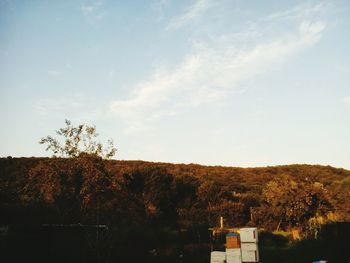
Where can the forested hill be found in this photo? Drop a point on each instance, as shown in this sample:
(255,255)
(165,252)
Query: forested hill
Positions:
(174,195)
(256,175)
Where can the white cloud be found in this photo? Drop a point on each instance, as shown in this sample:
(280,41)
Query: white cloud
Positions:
(193,12)
(300,11)
(311,31)
(211,72)
(208,74)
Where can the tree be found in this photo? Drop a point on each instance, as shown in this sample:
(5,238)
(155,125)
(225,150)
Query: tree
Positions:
(77,188)
(288,203)
(341,196)
(77,140)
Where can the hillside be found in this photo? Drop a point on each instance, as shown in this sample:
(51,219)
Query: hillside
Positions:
(51,206)
(171,191)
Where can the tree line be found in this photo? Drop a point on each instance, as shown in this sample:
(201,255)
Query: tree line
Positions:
(156,205)
(88,187)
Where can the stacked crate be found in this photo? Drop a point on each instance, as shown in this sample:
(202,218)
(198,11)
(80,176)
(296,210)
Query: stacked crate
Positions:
(240,248)
(233,248)
(217,257)
(249,244)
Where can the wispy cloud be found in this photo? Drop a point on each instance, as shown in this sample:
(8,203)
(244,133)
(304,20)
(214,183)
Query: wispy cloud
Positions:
(302,11)
(190,14)
(92,9)
(211,72)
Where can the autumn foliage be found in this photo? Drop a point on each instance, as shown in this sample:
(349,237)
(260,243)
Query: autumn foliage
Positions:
(165,209)
(87,187)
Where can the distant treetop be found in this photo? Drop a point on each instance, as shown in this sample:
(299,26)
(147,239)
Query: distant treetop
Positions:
(74,141)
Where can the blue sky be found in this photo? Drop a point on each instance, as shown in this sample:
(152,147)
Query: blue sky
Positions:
(218,82)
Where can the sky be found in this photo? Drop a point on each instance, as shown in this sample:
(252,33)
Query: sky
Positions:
(216,82)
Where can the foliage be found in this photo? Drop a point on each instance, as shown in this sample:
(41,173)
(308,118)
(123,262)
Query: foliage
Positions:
(174,195)
(341,195)
(73,187)
(78,140)
(143,202)
(293,203)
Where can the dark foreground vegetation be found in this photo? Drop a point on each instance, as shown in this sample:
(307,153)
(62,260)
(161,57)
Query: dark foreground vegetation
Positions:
(86,209)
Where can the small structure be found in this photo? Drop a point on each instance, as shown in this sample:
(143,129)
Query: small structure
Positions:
(241,244)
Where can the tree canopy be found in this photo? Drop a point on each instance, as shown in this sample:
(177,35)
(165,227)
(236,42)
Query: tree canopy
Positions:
(75,140)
